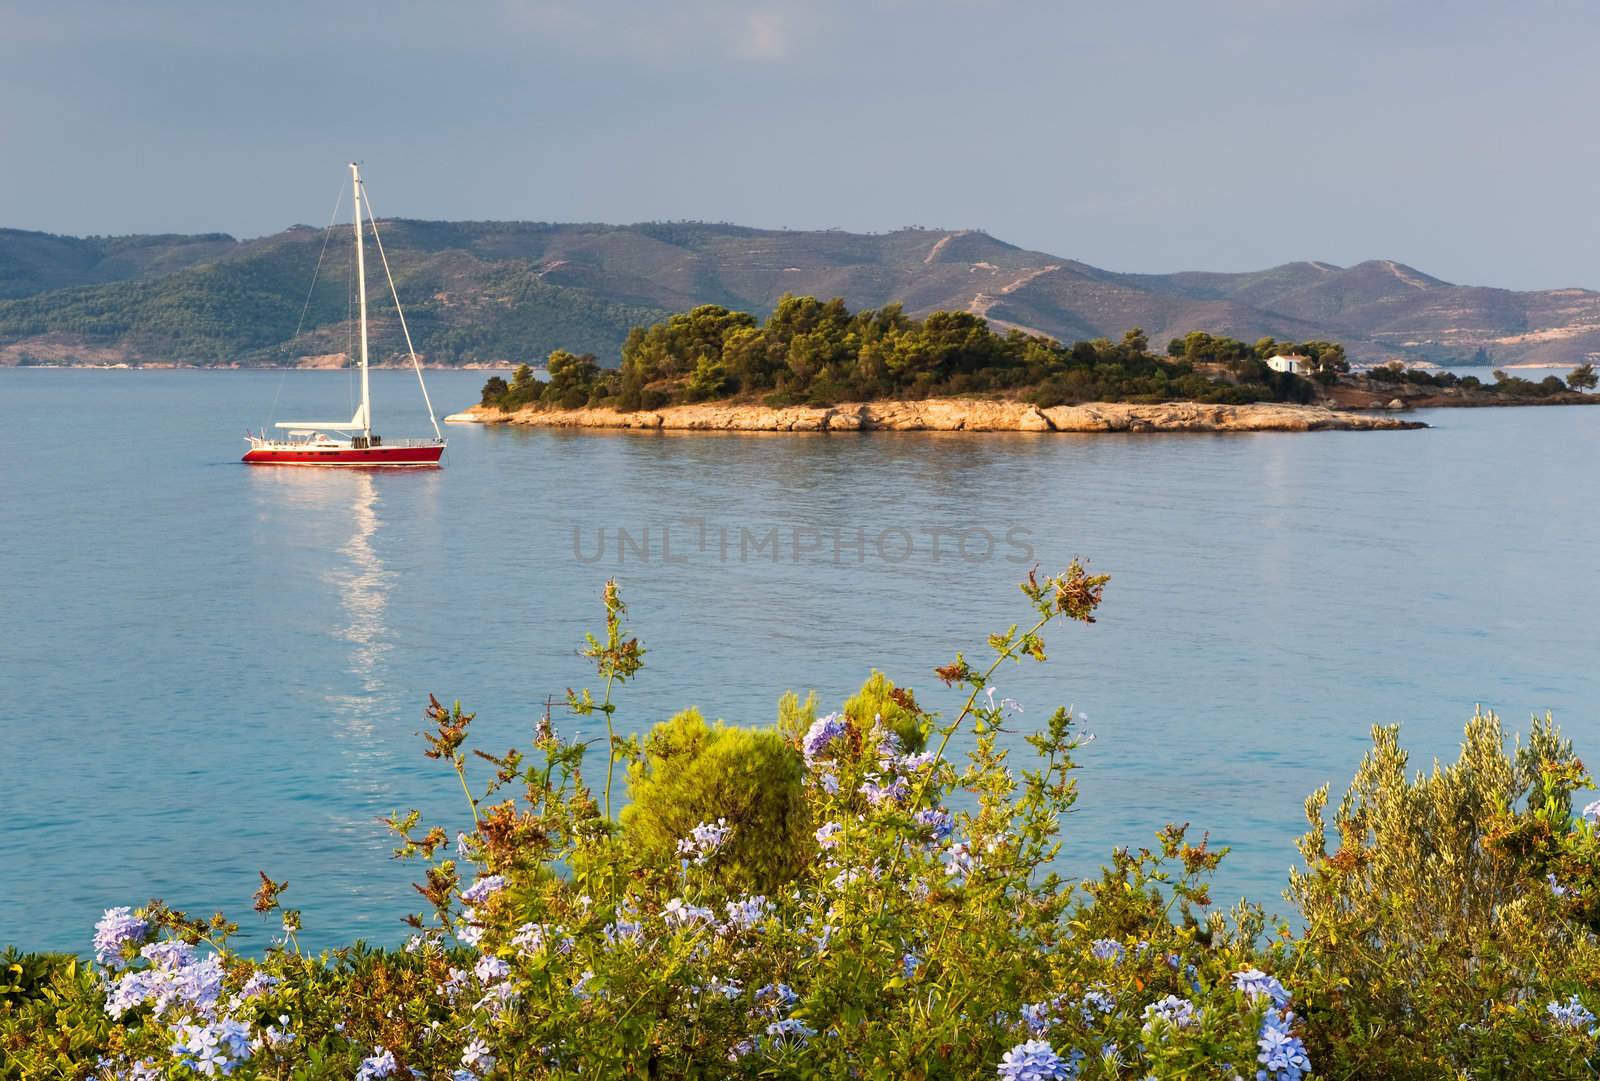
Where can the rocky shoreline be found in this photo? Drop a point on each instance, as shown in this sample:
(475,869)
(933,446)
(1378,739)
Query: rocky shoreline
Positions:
(953,415)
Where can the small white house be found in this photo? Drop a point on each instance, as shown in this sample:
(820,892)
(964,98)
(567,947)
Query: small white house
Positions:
(1293,363)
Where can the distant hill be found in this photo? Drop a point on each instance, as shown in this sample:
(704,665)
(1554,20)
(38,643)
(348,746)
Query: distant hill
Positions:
(505,292)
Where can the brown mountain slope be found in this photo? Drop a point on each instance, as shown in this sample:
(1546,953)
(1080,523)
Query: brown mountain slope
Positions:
(511,291)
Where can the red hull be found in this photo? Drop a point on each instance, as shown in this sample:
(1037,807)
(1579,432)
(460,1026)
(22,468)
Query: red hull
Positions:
(370,456)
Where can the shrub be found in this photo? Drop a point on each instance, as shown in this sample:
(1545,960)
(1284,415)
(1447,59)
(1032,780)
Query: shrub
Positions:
(749,780)
(1439,928)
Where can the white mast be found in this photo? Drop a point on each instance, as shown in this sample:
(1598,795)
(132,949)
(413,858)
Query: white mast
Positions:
(361,285)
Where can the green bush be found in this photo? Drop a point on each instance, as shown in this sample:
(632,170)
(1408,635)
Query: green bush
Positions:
(1443,907)
(691,772)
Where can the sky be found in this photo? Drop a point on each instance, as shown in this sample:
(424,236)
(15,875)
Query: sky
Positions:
(1137,135)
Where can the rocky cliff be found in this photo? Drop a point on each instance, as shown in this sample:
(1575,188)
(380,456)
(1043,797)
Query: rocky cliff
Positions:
(953,415)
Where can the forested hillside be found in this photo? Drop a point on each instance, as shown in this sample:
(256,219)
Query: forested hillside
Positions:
(511,292)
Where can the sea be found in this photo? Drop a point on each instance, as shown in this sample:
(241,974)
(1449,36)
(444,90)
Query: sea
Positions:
(212,670)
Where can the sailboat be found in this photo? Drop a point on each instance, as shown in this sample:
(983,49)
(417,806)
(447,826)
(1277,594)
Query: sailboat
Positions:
(353,442)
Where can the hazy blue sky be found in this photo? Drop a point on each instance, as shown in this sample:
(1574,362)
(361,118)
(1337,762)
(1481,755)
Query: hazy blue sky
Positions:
(1458,137)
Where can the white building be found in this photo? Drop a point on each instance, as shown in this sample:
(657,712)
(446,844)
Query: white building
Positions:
(1293,363)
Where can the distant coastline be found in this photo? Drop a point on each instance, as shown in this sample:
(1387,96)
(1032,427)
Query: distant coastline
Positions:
(951,415)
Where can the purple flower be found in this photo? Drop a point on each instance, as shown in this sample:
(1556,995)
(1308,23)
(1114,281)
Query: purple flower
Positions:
(175,985)
(212,1048)
(828,834)
(704,840)
(273,1037)
(880,794)
(1171,1010)
(960,862)
(1591,813)
(470,931)
(490,969)
(1094,1004)
(257,985)
(777,997)
(623,930)
(936,820)
(1256,984)
(169,954)
(1571,1014)
(886,742)
(483,889)
(451,988)
(790,1029)
(531,938)
(1039,1016)
(679,913)
(477,1057)
(747,913)
(1282,1056)
(728,989)
(497,998)
(1036,1060)
(118,929)
(1106,949)
(379,1064)
(821,735)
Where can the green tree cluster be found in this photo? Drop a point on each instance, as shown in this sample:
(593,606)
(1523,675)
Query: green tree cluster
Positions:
(816,352)
(1396,372)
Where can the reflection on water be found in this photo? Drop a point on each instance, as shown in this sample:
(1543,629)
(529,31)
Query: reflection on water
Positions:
(364,594)
(337,512)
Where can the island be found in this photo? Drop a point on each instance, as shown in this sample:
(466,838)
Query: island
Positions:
(815,366)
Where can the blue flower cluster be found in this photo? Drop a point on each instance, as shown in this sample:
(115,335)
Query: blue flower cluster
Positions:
(477,1057)
(378,1065)
(1257,984)
(175,984)
(705,840)
(534,938)
(211,1049)
(1095,1004)
(1572,1014)
(483,889)
(1040,1017)
(791,1029)
(747,913)
(679,913)
(937,821)
(1036,1060)
(879,794)
(821,735)
(118,929)
(491,969)
(1591,813)
(1282,1054)
(1171,1010)
(1106,949)
(184,988)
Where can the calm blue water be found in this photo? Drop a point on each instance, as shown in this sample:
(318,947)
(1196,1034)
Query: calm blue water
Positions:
(211,669)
